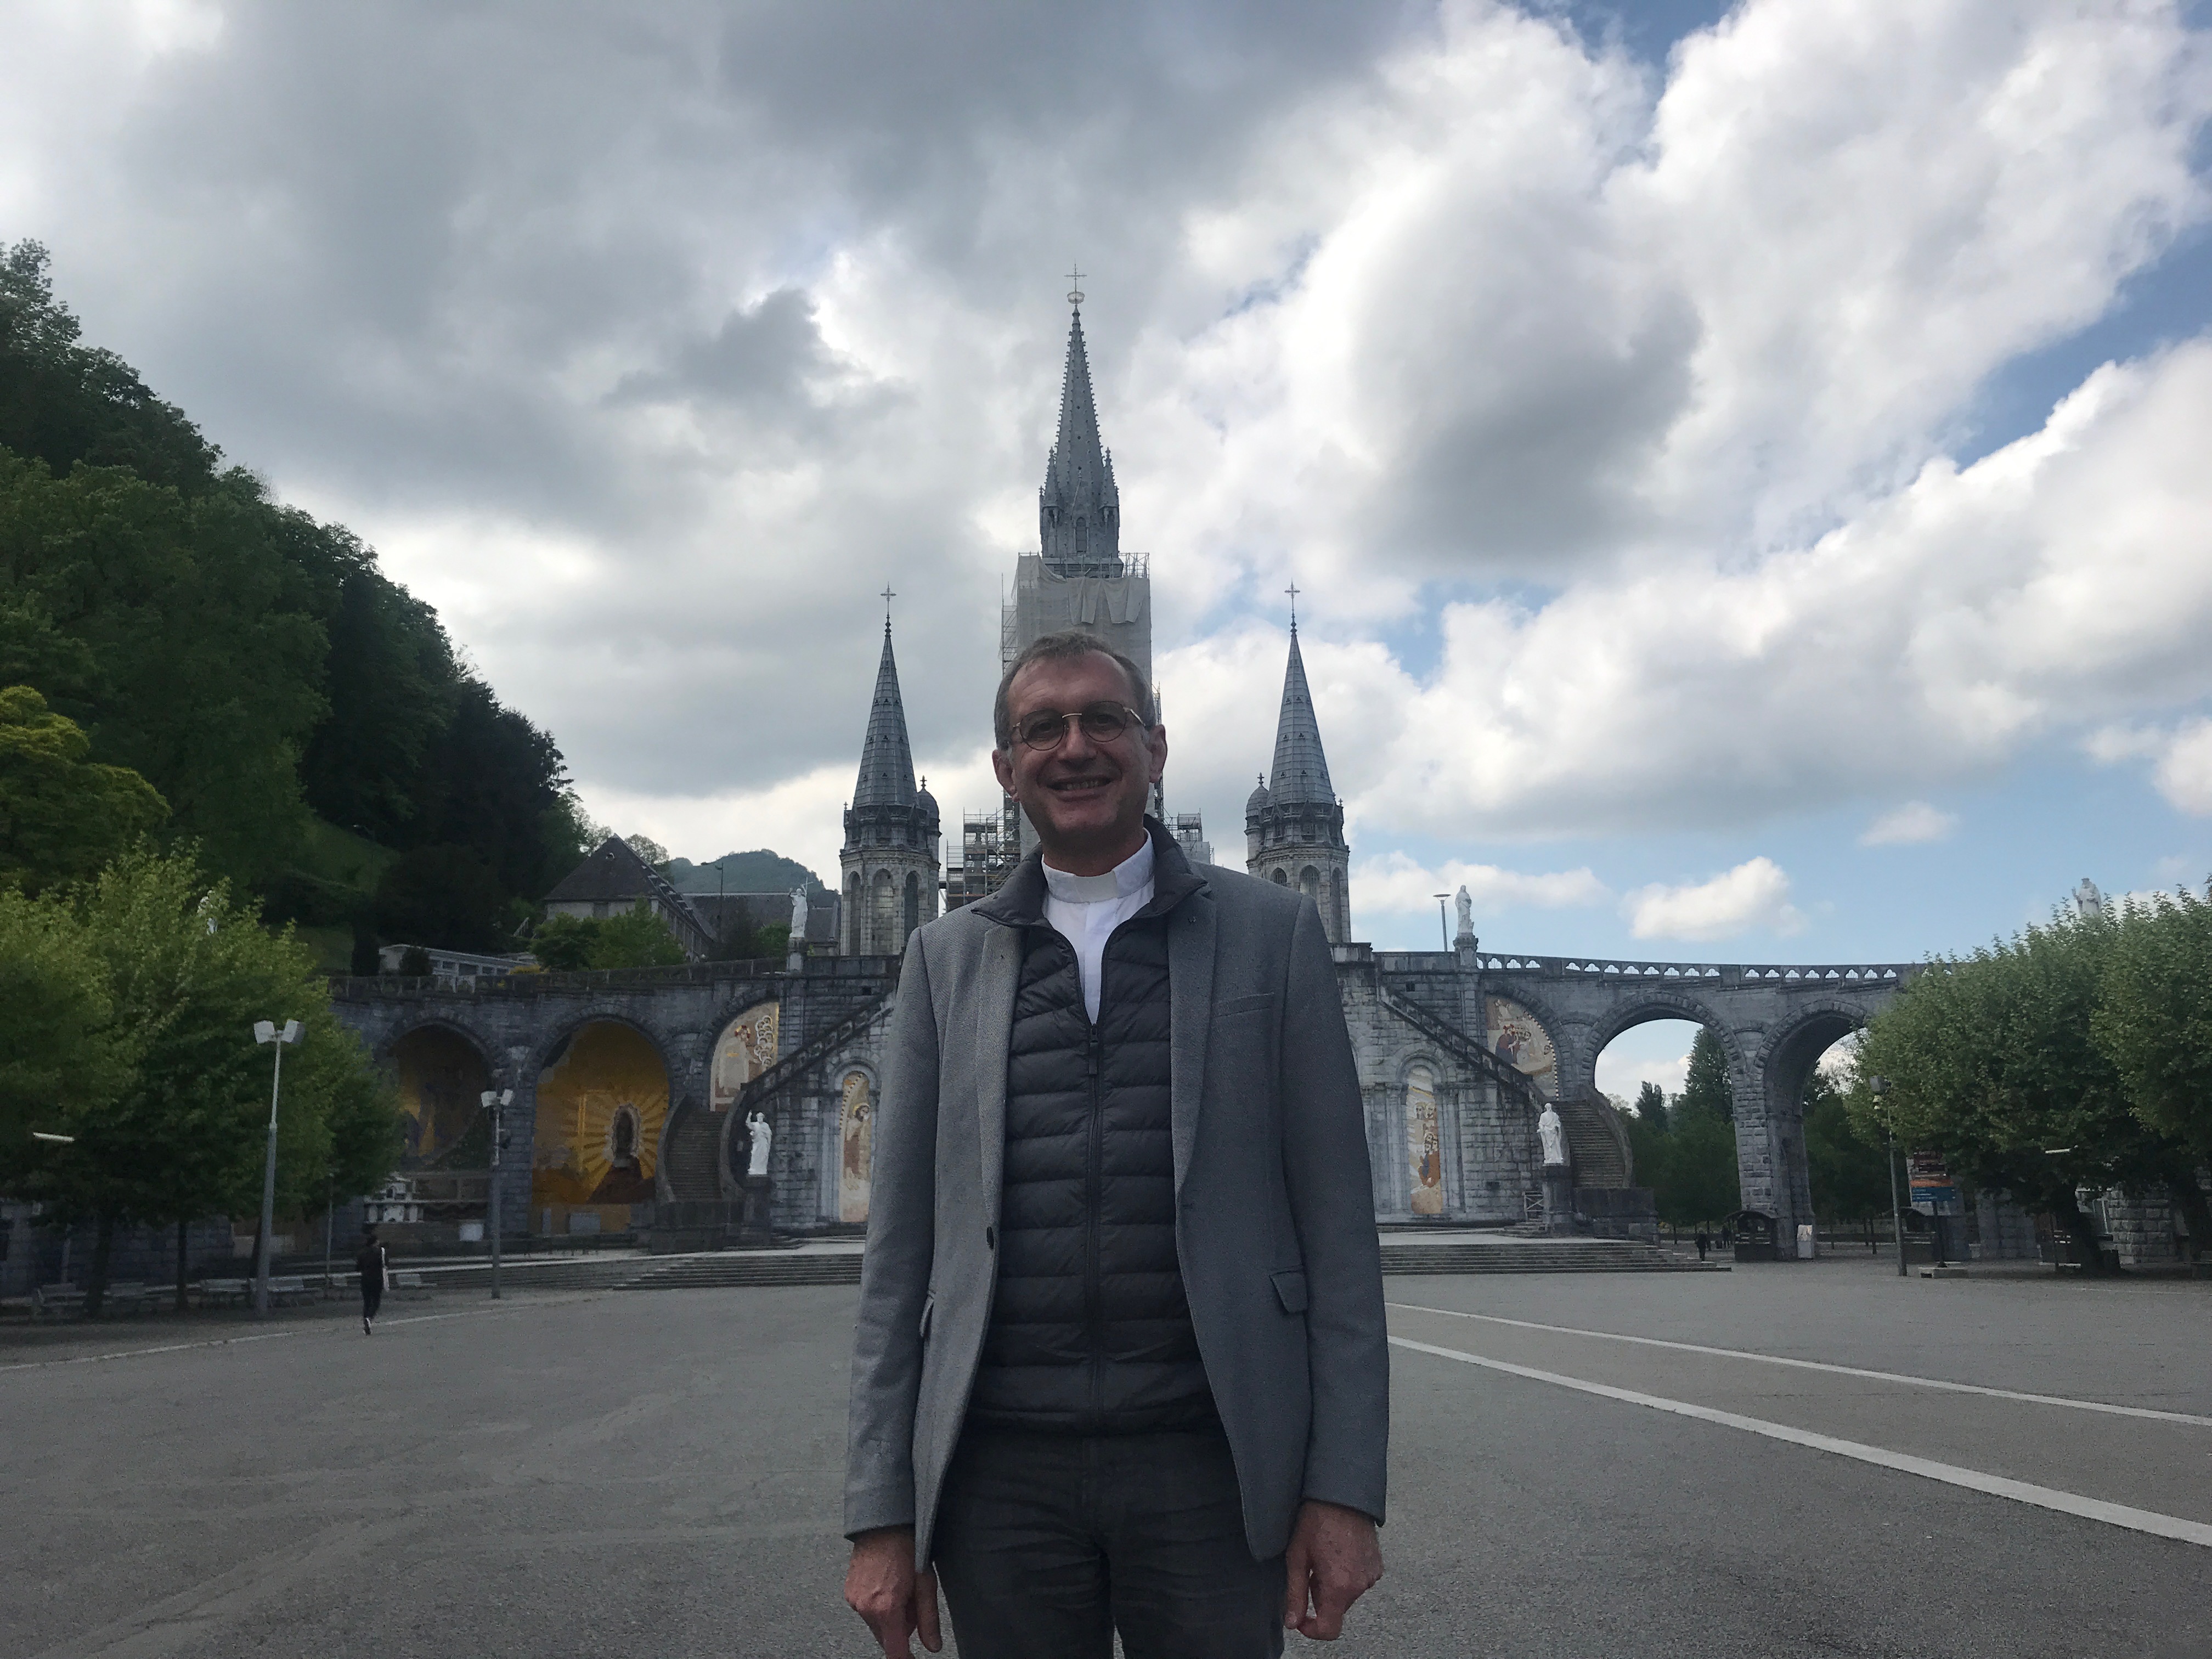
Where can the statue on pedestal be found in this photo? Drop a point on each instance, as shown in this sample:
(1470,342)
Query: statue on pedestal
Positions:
(758,1126)
(1553,1135)
(1465,905)
(799,919)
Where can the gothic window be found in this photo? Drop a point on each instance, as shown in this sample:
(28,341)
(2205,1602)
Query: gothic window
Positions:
(1282,878)
(913,905)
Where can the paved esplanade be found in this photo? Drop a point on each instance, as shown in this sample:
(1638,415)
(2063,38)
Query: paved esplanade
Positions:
(659,1474)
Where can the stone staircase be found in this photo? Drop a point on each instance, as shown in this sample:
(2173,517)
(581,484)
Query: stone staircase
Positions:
(695,1157)
(1519,1254)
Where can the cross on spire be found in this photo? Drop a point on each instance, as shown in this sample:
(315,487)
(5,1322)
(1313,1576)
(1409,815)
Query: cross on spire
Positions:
(1075,287)
(888,596)
(1292,590)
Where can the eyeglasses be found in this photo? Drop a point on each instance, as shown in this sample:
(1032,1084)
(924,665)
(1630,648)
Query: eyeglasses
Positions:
(1102,723)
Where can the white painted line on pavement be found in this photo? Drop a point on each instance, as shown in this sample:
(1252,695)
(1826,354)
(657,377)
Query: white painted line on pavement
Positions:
(330,1327)
(1951,1474)
(2104,1406)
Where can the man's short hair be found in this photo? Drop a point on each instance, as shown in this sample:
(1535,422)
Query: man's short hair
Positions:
(1063,646)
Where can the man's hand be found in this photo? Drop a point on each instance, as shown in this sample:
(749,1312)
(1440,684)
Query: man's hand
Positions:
(881,1586)
(1334,1560)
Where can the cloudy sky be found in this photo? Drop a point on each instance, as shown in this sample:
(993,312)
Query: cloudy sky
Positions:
(1749,469)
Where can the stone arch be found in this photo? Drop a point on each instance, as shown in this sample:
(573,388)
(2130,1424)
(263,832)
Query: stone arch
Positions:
(853,921)
(883,912)
(596,1064)
(1281,877)
(1791,1053)
(1422,1140)
(849,1160)
(442,1068)
(912,919)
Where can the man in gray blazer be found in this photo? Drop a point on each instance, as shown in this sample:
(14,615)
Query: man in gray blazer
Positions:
(1120,1361)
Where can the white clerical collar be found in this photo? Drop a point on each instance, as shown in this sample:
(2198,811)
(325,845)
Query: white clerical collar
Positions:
(1130,876)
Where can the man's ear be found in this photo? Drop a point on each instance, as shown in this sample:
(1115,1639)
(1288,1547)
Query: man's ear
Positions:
(1002,767)
(1156,741)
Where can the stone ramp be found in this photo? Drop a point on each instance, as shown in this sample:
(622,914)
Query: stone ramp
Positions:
(839,1263)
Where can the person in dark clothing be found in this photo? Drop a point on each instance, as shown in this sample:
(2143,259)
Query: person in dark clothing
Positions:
(371,1265)
(1705,1243)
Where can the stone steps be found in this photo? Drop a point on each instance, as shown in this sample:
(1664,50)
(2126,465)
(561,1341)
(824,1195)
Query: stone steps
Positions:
(1534,1256)
(727,1268)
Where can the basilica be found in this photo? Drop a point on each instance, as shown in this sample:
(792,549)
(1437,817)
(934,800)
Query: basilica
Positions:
(694,1105)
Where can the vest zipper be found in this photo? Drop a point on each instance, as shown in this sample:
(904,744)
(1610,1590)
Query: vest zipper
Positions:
(1093,1297)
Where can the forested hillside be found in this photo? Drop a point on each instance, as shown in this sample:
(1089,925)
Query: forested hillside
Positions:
(306,719)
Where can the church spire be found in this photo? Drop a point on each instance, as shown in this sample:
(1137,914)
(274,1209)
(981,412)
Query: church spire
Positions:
(1301,771)
(886,758)
(1079,508)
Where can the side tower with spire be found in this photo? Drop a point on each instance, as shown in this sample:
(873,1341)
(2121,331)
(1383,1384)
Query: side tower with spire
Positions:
(889,864)
(1293,822)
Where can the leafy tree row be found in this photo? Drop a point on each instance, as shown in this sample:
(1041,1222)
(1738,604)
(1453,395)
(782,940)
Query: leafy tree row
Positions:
(2073,1055)
(127,1004)
(252,666)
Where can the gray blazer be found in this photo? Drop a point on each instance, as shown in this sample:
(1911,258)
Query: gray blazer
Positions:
(1275,1220)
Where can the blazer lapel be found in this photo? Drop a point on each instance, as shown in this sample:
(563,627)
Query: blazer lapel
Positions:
(994,1028)
(1190,1021)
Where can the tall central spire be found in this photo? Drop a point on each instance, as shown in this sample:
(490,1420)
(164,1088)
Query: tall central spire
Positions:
(1301,773)
(886,758)
(1080,508)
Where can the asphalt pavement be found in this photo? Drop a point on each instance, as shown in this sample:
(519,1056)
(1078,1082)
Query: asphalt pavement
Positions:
(659,1474)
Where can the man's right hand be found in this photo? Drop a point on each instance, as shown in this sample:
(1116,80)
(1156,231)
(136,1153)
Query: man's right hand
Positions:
(881,1586)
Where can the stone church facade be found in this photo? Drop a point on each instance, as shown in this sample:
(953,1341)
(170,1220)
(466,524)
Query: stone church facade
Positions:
(633,1092)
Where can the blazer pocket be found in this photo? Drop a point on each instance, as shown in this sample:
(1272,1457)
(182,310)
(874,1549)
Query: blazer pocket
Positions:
(929,1308)
(1230,1009)
(1290,1290)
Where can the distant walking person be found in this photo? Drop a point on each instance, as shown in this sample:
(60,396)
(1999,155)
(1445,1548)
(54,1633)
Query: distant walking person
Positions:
(1705,1243)
(373,1268)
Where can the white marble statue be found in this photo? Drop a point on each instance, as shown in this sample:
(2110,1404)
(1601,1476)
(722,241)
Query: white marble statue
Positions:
(2088,899)
(761,1134)
(1554,1137)
(798,917)
(1465,905)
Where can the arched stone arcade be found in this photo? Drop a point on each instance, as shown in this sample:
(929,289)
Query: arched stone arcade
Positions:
(1773,1024)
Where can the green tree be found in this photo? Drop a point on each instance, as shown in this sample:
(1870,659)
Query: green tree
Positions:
(1651,1105)
(1706,1087)
(1850,1174)
(186,971)
(636,938)
(61,816)
(445,897)
(2154,1017)
(1989,1060)
(1698,1180)
(60,1058)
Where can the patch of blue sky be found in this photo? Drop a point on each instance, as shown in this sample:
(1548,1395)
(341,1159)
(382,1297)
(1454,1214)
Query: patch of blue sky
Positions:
(2021,842)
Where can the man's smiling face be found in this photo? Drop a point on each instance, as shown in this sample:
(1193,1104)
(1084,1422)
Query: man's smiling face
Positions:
(1086,800)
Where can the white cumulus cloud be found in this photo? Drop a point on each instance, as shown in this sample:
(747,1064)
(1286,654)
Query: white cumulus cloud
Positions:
(1909,825)
(1398,884)
(1755,895)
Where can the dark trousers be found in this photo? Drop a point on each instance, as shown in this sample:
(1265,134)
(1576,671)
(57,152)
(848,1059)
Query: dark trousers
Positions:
(372,1296)
(1047,1544)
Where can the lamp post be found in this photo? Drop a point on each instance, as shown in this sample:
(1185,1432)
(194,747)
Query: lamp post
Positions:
(496,1104)
(267,1031)
(1880,1086)
(1443,927)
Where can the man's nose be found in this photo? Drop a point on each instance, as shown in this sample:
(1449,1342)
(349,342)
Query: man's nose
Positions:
(1074,748)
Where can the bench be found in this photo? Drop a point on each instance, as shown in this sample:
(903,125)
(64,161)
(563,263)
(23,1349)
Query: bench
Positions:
(409,1287)
(56,1299)
(225,1292)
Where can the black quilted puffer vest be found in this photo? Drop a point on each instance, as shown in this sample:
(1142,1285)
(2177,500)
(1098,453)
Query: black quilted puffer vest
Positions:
(1090,1331)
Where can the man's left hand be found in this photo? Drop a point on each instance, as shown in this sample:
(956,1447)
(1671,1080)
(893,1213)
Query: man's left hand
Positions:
(1334,1560)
